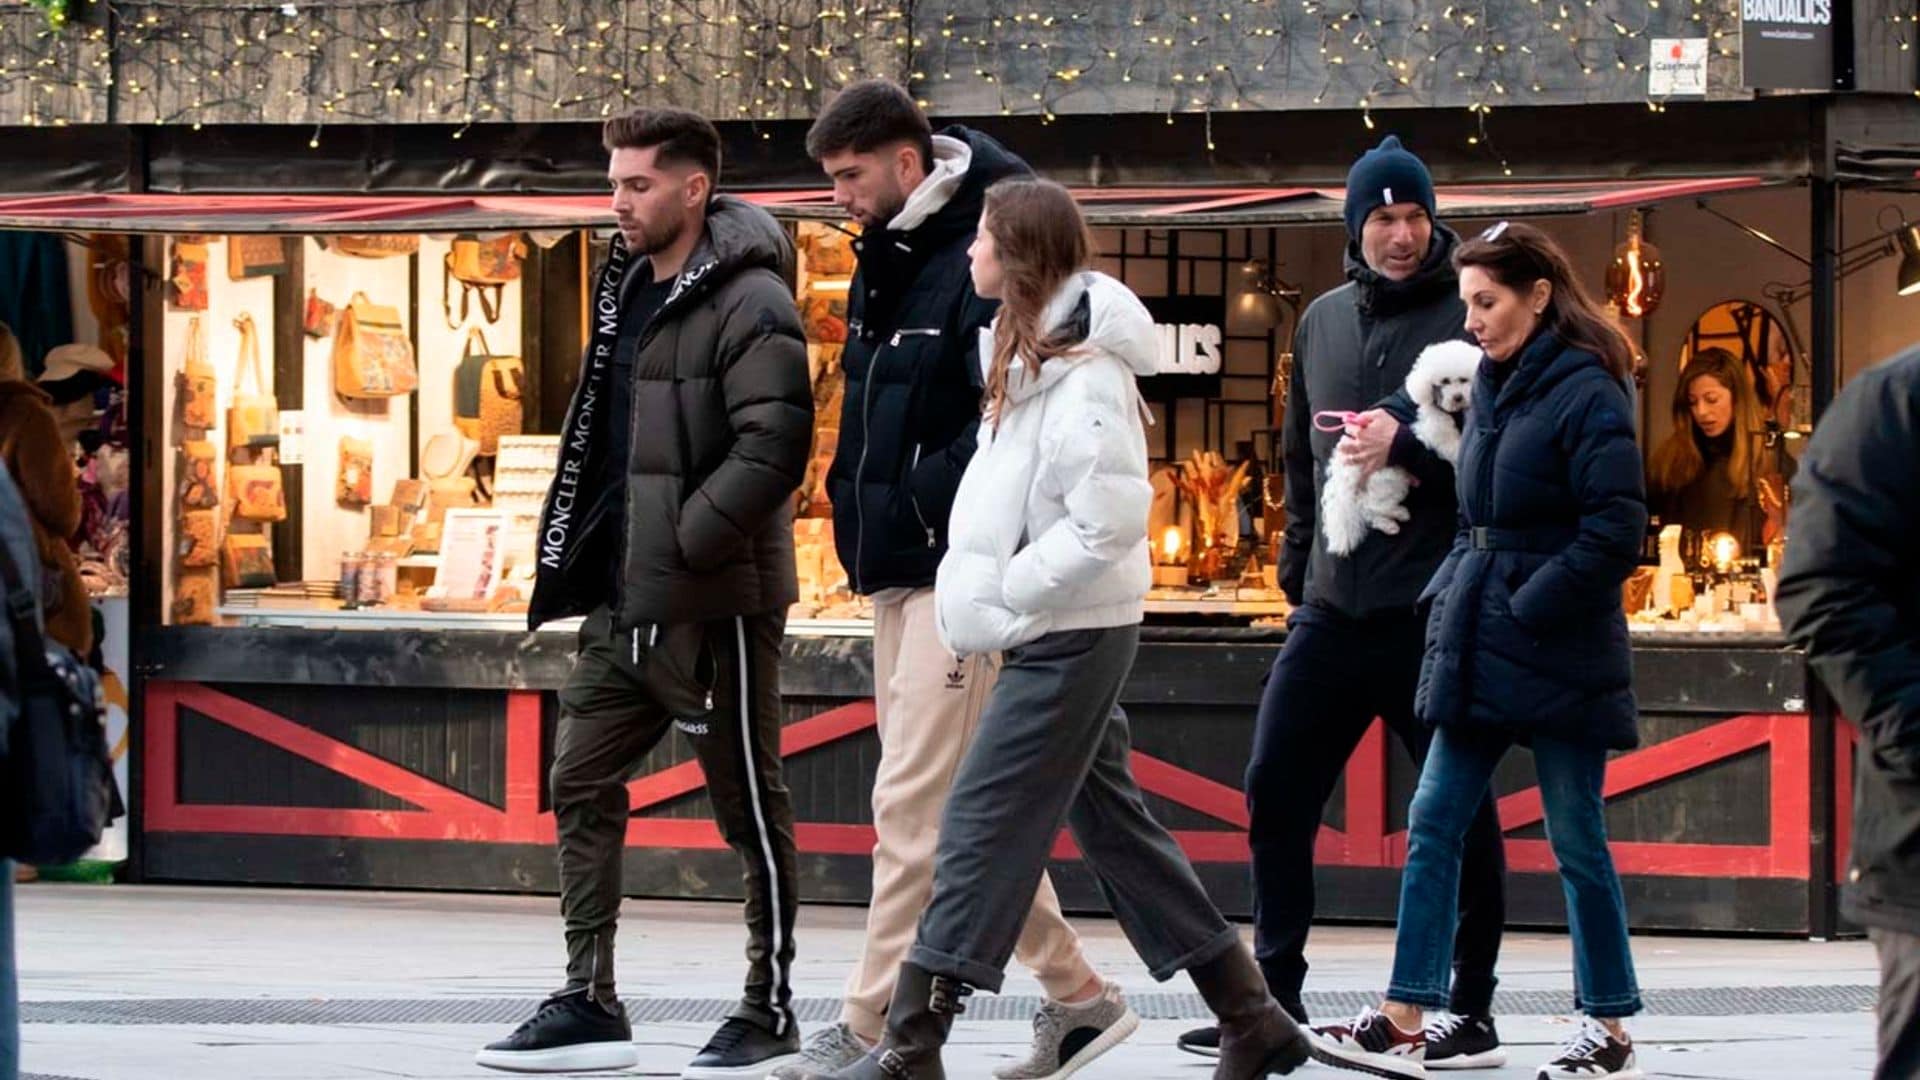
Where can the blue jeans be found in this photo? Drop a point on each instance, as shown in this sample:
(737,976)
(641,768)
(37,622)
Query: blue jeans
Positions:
(9,993)
(1456,777)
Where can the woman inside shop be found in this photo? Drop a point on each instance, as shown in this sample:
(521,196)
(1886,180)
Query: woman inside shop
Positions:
(35,454)
(1526,644)
(1707,475)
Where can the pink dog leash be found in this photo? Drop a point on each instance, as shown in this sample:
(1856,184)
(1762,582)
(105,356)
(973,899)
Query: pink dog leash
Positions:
(1332,420)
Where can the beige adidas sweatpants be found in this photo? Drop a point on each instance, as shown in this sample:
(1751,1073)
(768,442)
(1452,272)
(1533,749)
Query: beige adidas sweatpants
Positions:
(927,705)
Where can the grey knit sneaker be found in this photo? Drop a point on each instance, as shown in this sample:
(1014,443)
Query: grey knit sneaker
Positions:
(827,1052)
(1067,1037)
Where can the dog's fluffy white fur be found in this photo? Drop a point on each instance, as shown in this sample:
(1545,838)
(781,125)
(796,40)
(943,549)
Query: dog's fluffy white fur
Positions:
(1441,386)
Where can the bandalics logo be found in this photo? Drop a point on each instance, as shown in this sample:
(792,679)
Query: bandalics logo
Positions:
(1796,12)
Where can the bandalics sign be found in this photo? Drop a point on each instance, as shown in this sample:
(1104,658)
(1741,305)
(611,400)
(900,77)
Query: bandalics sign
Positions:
(1787,44)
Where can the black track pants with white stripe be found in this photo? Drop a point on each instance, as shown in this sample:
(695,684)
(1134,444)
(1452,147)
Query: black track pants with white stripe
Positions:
(718,683)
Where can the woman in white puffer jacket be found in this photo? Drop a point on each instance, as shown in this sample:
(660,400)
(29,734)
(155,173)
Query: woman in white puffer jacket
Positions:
(1048,565)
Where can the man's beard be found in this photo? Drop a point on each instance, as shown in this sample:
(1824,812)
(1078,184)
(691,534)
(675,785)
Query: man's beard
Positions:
(652,241)
(885,210)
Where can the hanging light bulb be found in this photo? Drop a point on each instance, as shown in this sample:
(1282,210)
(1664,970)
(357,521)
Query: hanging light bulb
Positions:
(1637,279)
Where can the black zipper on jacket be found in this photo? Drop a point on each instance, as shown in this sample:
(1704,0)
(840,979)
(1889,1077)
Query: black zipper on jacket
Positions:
(866,444)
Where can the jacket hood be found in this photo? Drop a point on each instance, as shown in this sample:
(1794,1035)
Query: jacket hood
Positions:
(1103,316)
(740,237)
(986,162)
(1381,295)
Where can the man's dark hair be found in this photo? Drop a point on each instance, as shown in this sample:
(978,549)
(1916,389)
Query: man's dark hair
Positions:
(868,115)
(684,138)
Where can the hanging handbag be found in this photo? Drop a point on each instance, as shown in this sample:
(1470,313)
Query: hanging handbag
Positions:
(374,245)
(372,357)
(502,389)
(259,494)
(199,480)
(256,256)
(482,267)
(467,377)
(246,561)
(355,485)
(253,423)
(57,793)
(318,319)
(198,387)
(198,544)
(194,597)
(187,274)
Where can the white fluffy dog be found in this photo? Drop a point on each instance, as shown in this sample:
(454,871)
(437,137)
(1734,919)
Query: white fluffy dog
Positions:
(1441,386)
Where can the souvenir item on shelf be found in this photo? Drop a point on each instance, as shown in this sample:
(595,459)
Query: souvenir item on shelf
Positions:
(256,256)
(317,322)
(194,597)
(372,357)
(373,245)
(1213,487)
(246,561)
(409,495)
(388,521)
(253,422)
(198,479)
(198,391)
(355,485)
(426,537)
(482,267)
(259,494)
(187,274)
(199,538)
(502,389)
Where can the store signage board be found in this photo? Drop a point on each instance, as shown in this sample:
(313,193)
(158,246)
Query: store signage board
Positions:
(1191,332)
(1677,67)
(293,437)
(1786,44)
(473,547)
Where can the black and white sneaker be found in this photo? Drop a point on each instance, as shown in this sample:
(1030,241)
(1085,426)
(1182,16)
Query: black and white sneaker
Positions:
(1592,1053)
(569,1033)
(745,1048)
(1373,1044)
(1463,1042)
(1204,1041)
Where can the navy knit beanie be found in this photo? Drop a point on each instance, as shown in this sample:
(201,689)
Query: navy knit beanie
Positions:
(1386,175)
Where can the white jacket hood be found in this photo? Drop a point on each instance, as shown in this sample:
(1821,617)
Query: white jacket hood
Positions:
(1116,323)
(951,160)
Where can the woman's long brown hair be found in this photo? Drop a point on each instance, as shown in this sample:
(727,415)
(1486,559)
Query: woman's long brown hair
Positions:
(1517,255)
(1677,462)
(1041,240)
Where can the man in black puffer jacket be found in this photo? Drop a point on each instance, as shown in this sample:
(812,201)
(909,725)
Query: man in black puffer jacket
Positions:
(1850,595)
(913,373)
(669,525)
(1357,634)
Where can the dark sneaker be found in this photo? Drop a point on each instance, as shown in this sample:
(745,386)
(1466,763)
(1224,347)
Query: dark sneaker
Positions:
(1463,1042)
(1592,1053)
(569,1033)
(1067,1037)
(1370,1043)
(827,1052)
(745,1048)
(1204,1041)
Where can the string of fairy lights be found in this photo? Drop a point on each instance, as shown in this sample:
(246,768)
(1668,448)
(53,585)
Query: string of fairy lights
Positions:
(192,62)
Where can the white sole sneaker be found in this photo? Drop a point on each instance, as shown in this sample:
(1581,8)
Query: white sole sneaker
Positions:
(585,1057)
(738,1072)
(1486,1059)
(1328,1052)
(1128,1023)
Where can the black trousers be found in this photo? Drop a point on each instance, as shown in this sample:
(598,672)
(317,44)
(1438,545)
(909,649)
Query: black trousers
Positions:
(1332,678)
(718,683)
(1899,1040)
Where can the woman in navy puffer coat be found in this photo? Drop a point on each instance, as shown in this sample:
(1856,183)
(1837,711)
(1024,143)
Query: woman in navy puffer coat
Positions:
(1526,644)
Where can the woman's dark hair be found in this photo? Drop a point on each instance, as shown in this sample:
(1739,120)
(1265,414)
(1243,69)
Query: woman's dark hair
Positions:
(1678,461)
(684,138)
(868,115)
(1516,255)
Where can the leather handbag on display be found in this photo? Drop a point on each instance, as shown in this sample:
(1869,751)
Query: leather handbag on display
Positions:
(198,386)
(259,493)
(187,274)
(198,544)
(354,487)
(246,561)
(482,267)
(253,423)
(372,357)
(373,245)
(199,477)
(256,256)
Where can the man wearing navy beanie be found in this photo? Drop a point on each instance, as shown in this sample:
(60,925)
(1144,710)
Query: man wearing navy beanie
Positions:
(1357,632)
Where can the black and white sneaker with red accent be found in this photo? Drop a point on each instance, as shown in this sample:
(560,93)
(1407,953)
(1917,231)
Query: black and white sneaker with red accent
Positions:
(1372,1044)
(1592,1053)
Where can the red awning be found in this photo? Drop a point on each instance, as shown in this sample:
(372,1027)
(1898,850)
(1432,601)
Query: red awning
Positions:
(1166,207)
